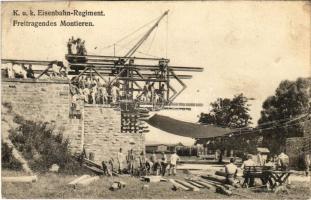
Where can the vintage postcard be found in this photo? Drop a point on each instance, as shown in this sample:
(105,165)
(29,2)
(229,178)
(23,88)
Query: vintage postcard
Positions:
(156,99)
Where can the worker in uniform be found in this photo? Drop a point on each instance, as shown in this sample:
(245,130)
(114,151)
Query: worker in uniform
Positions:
(153,160)
(19,70)
(231,171)
(142,163)
(145,93)
(86,93)
(307,162)
(163,163)
(114,93)
(93,94)
(30,73)
(161,92)
(157,167)
(131,162)
(10,72)
(106,167)
(120,159)
(173,163)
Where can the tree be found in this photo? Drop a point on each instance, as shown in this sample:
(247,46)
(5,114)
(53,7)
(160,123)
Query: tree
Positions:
(291,98)
(231,113)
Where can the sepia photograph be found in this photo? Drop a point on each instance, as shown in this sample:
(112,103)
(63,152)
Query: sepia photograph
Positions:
(156,100)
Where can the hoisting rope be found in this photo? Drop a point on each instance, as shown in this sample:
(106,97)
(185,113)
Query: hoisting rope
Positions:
(130,34)
(166,40)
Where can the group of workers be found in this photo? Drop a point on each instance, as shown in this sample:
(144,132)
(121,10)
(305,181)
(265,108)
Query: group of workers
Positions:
(76,47)
(94,91)
(14,70)
(151,94)
(280,162)
(55,69)
(142,165)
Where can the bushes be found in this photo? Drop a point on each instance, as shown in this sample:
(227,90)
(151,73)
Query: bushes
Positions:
(7,160)
(42,145)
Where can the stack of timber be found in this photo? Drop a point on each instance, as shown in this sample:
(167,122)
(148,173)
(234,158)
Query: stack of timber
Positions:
(191,185)
(94,167)
(195,184)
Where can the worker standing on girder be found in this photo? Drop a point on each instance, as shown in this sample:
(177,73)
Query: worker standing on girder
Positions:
(30,73)
(19,70)
(114,92)
(69,45)
(144,94)
(161,92)
(151,92)
(9,68)
(93,95)
(86,93)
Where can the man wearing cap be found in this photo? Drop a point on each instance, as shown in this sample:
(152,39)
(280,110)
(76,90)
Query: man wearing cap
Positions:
(173,162)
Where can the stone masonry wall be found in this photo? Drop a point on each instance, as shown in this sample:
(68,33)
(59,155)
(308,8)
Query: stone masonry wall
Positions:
(43,100)
(102,134)
(50,101)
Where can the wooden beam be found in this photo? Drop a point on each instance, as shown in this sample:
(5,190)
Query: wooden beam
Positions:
(115,57)
(19,179)
(75,181)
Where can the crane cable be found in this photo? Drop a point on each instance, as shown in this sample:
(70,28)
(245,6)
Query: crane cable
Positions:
(154,35)
(166,39)
(130,34)
(146,54)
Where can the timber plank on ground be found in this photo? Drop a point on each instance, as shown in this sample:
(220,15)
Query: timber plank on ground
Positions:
(190,186)
(178,185)
(20,179)
(75,181)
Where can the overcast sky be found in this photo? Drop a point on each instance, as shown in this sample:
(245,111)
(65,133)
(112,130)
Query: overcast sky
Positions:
(244,46)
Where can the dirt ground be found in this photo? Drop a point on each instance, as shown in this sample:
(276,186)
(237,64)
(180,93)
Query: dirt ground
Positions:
(56,186)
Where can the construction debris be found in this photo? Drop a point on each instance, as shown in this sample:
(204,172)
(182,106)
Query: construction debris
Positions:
(152,179)
(116,185)
(20,179)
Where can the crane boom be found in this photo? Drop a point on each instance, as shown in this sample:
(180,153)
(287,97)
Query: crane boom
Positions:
(141,41)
